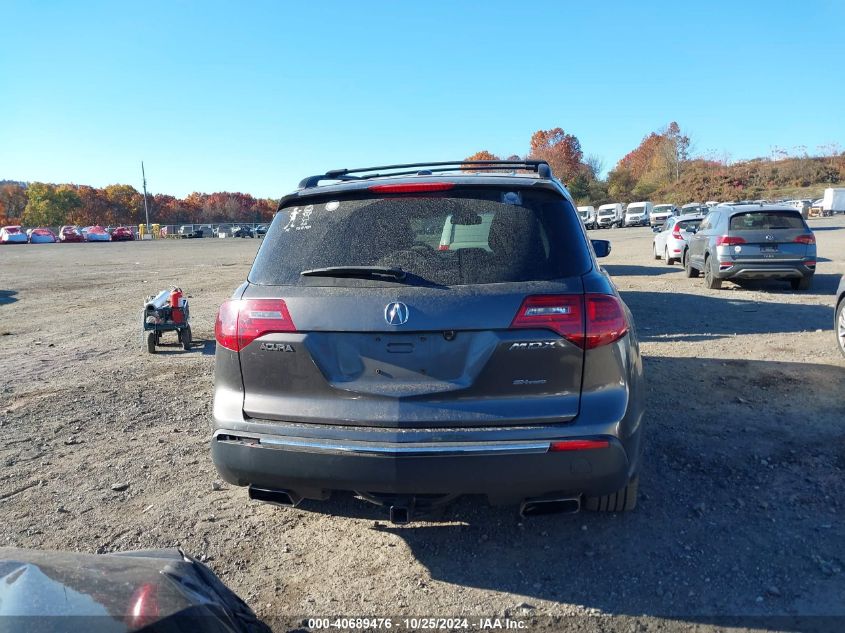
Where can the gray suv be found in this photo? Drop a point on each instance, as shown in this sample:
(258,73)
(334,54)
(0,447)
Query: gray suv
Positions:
(414,333)
(752,242)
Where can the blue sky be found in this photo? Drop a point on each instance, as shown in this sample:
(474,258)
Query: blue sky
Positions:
(252,96)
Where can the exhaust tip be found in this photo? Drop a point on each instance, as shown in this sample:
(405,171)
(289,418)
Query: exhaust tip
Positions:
(539,507)
(400,515)
(284,498)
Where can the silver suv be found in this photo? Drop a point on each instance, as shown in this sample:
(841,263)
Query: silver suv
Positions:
(752,242)
(418,332)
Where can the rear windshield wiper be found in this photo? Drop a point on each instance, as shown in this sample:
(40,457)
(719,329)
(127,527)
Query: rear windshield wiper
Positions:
(363,272)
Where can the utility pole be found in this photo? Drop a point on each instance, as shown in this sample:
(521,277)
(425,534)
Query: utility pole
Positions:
(146,209)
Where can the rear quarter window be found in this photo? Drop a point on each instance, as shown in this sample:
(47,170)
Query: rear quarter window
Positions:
(457,237)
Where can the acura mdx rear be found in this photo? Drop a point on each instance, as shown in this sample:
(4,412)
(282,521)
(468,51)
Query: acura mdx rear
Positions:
(417,337)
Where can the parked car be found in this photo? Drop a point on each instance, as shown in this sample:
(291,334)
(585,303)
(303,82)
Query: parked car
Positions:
(41,236)
(192,232)
(356,356)
(588,216)
(670,241)
(149,591)
(661,212)
(638,213)
(12,235)
(96,234)
(122,234)
(241,231)
(695,208)
(261,230)
(610,215)
(70,233)
(839,315)
(752,242)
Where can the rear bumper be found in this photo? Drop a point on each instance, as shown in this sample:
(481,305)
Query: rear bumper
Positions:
(505,472)
(768,270)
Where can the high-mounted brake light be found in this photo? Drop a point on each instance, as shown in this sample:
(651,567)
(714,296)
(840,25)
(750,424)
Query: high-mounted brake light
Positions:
(412,187)
(240,322)
(729,240)
(588,321)
(805,239)
(577,445)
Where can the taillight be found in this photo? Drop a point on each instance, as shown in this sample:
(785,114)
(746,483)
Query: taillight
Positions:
(676,233)
(443,247)
(606,320)
(563,314)
(805,239)
(240,322)
(577,445)
(810,264)
(729,240)
(412,187)
(587,321)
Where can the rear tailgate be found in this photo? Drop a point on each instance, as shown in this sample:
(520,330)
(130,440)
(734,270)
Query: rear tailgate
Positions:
(455,361)
(434,349)
(770,237)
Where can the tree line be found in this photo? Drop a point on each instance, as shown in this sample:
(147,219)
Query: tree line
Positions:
(661,168)
(45,204)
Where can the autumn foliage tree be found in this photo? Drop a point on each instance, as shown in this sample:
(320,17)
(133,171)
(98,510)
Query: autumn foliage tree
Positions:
(560,150)
(12,202)
(482,155)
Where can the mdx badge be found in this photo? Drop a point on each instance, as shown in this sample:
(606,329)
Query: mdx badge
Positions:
(277,347)
(533,345)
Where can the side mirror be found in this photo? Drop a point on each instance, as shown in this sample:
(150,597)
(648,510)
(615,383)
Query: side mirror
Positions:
(655,229)
(601,247)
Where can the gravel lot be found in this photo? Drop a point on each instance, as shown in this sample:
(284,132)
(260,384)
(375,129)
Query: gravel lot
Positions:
(742,496)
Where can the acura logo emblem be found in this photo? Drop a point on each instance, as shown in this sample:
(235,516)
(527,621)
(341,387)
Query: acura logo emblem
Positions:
(396,313)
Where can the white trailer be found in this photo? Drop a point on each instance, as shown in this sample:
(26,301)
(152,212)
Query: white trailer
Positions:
(833,200)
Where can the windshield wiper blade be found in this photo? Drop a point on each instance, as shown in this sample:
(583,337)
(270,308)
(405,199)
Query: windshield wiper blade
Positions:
(365,272)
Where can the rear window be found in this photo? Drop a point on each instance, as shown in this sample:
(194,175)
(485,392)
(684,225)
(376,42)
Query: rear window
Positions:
(766,221)
(450,238)
(686,225)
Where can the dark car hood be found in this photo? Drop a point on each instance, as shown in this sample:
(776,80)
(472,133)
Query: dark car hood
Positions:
(160,590)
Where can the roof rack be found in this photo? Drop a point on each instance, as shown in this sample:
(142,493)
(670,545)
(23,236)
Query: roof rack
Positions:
(426,169)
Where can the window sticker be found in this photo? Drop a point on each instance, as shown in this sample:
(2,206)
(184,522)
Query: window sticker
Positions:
(300,219)
(512,197)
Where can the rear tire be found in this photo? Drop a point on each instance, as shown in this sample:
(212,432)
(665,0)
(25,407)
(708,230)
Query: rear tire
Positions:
(185,337)
(689,271)
(151,342)
(710,278)
(803,283)
(839,325)
(623,501)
